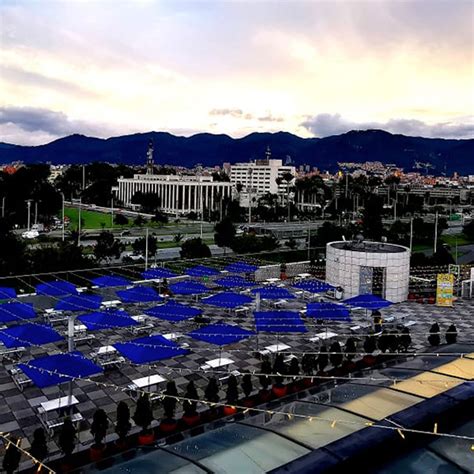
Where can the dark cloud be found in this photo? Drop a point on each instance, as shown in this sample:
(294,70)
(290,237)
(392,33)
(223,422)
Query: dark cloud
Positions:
(323,125)
(31,119)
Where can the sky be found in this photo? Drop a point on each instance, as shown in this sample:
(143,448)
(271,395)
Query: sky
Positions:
(314,68)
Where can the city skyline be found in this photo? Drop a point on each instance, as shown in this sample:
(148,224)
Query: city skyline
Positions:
(309,68)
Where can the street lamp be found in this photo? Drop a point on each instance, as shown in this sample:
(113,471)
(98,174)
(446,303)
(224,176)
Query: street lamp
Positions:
(62,214)
(28,204)
(250,195)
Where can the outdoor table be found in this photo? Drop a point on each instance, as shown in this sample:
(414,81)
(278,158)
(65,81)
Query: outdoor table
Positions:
(143,327)
(409,324)
(323,336)
(106,357)
(274,348)
(20,379)
(303,275)
(111,303)
(63,406)
(150,382)
(215,363)
(271,280)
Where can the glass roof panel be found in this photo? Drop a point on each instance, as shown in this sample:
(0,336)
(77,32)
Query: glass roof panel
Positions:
(422,362)
(156,461)
(316,433)
(367,400)
(456,450)
(427,384)
(238,448)
(463,368)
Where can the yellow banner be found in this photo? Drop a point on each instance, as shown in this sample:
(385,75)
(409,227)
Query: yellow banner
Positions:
(444,289)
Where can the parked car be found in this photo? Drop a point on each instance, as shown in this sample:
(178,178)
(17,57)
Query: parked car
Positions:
(30,234)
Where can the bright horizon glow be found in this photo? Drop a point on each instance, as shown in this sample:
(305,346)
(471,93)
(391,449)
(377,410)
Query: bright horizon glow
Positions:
(313,68)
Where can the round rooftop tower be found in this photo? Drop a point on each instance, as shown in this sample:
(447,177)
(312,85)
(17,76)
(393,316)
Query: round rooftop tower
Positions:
(362,267)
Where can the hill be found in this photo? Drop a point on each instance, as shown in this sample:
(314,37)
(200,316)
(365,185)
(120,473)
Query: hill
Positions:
(208,149)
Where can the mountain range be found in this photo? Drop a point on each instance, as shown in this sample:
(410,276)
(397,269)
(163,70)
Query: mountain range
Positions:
(444,155)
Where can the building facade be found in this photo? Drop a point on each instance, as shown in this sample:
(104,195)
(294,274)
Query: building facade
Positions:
(260,177)
(179,194)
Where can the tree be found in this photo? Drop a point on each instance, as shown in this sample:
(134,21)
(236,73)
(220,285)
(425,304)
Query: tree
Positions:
(323,358)
(139,246)
(350,348)
(11,459)
(249,243)
(194,248)
(148,202)
(67,437)
(189,406)
(434,337)
(468,229)
(291,244)
(169,402)
(266,368)
(12,252)
(177,238)
(120,219)
(107,246)
(247,386)
(39,445)
(404,340)
(139,220)
(99,426)
(232,390)
(336,357)
(123,425)
(451,334)
(372,226)
(160,217)
(143,415)
(308,364)
(225,233)
(211,393)
(370,344)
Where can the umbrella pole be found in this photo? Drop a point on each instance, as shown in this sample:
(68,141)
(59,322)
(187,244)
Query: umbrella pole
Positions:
(70,348)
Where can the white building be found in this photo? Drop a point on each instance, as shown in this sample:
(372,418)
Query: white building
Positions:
(179,194)
(260,177)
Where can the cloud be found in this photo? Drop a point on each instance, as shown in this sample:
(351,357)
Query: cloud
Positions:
(323,125)
(49,122)
(239,113)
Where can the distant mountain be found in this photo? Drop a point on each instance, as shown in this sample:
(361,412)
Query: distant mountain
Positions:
(208,149)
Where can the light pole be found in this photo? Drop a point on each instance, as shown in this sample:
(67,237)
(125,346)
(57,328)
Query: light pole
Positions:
(201,203)
(250,195)
(146,248)
(62,214)
(411,234)
(3,206)
(112,211)
(28,205)
(435,244)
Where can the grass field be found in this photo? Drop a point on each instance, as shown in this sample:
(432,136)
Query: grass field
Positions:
(90,219)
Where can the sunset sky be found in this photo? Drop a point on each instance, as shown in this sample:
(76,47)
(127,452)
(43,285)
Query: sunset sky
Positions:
(314,68)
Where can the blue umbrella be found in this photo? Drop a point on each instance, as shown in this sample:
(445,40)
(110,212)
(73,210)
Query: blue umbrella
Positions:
(110,281)
(368,301)
(234,281)
(149,349)
(328,311)
(82,302)
(279,321)
(202,271)
(172,311)
(313,286)
(227,300)
(188,288)
(26,335)
(15,311)
(159,272)
(107,320)
(271,292)
(7,293)
(139,294)
(59,368)
(56,288)
(241,267)
(221,334)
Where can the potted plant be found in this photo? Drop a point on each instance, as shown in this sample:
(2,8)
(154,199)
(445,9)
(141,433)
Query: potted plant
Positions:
(294,370)
(190,417)
(11,459)
(370,345)
(322,360)
(393,342)
(279,367)
(232,396)
(451,334)
(99,427)
(123,425)
(211,394)
(169,424)
(143,417)
(350,350)
(404,340)
(384,341)
(308,363)
(434,338)
(67,442)
(266,368)
(336,356)
(247,388)
(39,445)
